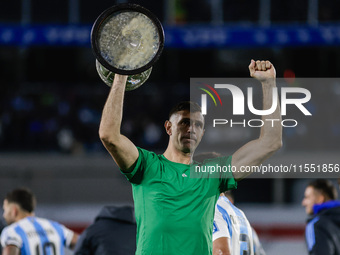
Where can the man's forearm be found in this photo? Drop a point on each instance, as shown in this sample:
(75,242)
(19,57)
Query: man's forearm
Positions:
(271,131)
(123,151)
(113,110)
(270,139)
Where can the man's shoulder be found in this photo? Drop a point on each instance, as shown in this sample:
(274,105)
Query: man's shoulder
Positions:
(216,160)
(8,229)
(156,158)
(320,222)
(148,154)
(10,233)
(330,216)
(45,220)
(13,226)
(223,204)
(229,207)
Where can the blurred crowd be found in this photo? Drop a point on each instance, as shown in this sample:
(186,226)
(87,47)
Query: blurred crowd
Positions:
(42,117)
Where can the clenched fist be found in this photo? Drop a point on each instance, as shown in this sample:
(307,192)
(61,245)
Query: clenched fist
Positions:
(262,70)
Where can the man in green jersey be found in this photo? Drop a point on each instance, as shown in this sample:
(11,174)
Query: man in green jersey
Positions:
(174,212)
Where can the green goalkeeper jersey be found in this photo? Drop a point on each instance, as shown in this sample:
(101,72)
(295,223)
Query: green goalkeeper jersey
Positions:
(174,212)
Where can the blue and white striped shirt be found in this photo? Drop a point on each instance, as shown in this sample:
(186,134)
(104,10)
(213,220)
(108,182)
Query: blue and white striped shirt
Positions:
(37,236)
(230,222)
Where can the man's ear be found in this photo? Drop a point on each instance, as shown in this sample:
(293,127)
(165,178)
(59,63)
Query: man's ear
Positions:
(167,126)
(15,210)
(321,198)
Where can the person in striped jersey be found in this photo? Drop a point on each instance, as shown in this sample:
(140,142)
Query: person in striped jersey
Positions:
(229,222)
(30,235)
(232,233)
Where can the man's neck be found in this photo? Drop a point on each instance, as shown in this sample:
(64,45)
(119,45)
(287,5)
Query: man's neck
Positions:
(177,156)
(23,215)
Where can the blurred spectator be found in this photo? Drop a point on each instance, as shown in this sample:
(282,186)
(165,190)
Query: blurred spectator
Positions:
(323,227)
(35,120)
(2,226)
(113,232)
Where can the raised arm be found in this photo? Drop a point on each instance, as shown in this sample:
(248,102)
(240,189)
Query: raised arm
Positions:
(123,151)
(270,139)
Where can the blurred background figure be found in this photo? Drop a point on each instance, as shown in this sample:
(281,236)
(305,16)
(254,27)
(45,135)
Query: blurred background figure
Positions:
(112,233)
(323,227)
(231,222)
(27,234)
(2,226)
(258,249)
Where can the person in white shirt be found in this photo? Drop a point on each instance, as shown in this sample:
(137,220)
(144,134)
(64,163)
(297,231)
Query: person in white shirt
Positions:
(232,233)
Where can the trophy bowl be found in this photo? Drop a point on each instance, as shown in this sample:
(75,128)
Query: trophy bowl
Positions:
(126,39)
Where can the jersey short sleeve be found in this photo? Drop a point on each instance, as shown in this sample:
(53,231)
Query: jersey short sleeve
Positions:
(227,178)
(10,237)
(220,228)
(68,235)
(136,172)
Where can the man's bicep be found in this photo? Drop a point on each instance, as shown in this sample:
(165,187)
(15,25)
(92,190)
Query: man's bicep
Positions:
(11,250)
(124,152)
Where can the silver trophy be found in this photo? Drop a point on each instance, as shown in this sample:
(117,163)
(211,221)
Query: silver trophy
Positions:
(126,39)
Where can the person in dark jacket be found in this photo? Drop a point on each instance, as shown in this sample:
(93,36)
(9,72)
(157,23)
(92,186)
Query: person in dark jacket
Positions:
(323,226)
(112,233)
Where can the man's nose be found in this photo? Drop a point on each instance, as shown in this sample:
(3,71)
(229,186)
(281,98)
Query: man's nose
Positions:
(192,129)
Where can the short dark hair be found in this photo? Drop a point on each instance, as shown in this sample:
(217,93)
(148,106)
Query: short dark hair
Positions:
(23,197)
(185,106)
(326,188)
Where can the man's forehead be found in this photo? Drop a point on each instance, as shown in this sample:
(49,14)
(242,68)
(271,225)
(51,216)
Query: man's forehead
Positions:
(313,191)
(309,190)
(190,115)
(5,203)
